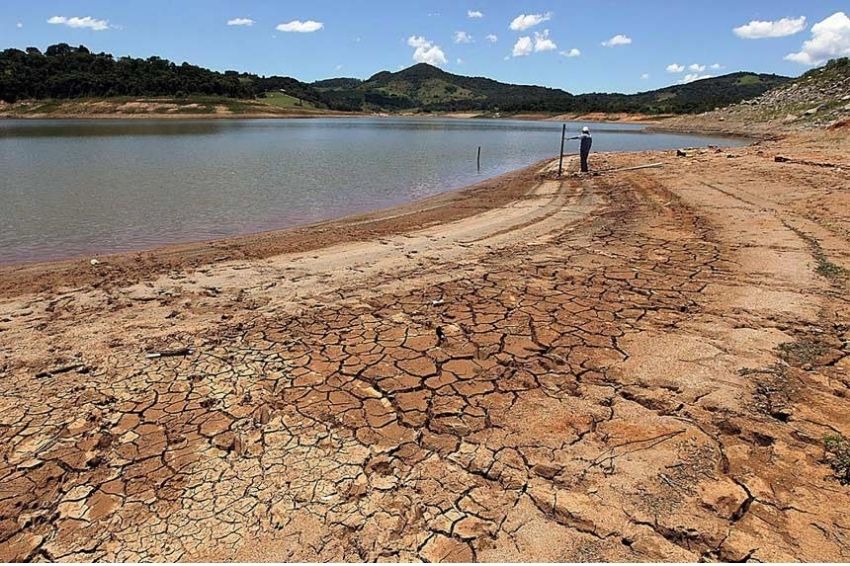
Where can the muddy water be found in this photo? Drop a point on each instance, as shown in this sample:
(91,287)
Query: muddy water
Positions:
(71,188)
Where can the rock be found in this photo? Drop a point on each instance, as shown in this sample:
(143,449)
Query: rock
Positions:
(20,547)
(723,498)
(443,549)
(815,110)
(547,471)
(279,514)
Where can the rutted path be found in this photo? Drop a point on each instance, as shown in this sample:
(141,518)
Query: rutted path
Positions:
(627,367)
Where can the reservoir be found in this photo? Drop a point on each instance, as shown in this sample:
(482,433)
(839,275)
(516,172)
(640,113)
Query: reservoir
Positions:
(73,188)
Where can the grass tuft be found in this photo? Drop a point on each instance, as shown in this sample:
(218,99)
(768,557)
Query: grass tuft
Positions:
(838,456)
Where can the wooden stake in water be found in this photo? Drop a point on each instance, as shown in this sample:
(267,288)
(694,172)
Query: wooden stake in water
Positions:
(479,159)
(561,154)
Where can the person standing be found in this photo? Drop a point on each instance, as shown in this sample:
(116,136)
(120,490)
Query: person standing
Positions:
(586,142)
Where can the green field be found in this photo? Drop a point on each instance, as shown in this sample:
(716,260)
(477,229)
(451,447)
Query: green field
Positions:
(282,100)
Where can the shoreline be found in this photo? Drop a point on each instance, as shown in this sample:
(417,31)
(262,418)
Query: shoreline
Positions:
(120,267)
(117,268)
(674,124)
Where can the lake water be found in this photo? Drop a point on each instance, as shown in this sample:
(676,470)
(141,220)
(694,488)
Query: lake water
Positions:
(72,188)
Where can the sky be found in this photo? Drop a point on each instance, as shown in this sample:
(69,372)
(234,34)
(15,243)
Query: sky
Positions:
(579,46)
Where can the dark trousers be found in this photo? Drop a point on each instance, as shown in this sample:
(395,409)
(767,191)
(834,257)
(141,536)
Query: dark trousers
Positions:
(586,142)
(584,155)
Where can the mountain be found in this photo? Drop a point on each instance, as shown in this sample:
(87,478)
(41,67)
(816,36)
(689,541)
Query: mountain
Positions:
(820,97)
(66,72)
(428,88)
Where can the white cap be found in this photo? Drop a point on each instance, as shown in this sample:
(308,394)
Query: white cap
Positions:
(586,130)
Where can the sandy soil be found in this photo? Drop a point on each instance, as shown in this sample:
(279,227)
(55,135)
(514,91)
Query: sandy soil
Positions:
(635,365)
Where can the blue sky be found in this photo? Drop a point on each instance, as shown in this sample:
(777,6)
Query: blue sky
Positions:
(358,38)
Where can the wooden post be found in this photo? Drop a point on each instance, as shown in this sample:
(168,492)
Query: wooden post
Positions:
(561,154)
(479,159)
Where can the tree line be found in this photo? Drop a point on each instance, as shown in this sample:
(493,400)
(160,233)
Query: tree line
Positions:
(63,71)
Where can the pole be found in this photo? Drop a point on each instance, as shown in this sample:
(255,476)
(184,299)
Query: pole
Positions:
(561,153)
(479,159)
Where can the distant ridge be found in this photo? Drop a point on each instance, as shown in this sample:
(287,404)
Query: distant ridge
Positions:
(66,72)
(428,88)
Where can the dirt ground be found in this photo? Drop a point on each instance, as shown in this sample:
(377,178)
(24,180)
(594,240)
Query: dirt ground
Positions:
(636,365)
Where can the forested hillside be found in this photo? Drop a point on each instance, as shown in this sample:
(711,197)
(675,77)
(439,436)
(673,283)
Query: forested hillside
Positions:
(66,72)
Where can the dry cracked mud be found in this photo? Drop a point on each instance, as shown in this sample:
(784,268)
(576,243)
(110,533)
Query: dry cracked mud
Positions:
(638,365)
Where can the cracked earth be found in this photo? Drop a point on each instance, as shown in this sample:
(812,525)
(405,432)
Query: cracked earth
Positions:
(639,365)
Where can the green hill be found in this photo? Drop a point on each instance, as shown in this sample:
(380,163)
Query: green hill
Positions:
(430,89)
(65,72)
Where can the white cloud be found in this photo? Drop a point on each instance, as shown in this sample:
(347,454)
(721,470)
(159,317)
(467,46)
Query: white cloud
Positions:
(339,67)
(830,39)
(492,38)
(644,76)
(459,61)
(462,37)
(617,40)
(675,68)
(716,66)
(691,77)
(474,14)
(758,29)
(240,22)
(19,25)
(426,52)
(571,53)
(525,21)
(697,68)
(298,26)
(523,46)
(542,42)
(76,22)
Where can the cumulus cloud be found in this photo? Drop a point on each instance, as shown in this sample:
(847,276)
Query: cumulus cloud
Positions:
(716,66)
(691,77)
(240,22)
(619,39)
(644,76)
(523,46)
(675,68)
(526,21)
(492,38)
(571,53)
(425,51)
(462,37)
(474,14)
(77,22)
(758,29)
(830,39)
(542,42)
(297,26)
(696,67)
